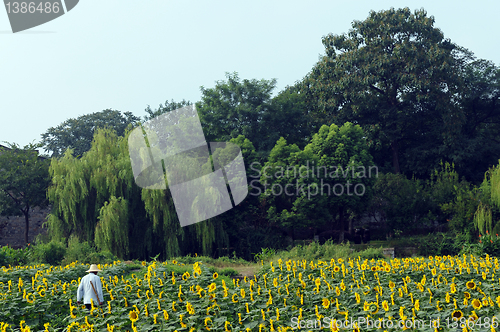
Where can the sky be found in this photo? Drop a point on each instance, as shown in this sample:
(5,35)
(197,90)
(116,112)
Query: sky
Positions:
(128,54)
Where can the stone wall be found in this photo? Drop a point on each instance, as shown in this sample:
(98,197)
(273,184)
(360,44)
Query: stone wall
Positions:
(12,228)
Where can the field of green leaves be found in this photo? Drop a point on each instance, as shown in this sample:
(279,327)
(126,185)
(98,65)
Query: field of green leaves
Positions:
(441,293)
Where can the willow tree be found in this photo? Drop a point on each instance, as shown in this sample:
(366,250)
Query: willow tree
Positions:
(84,192)
(112,229)
(490,189)
(96,198)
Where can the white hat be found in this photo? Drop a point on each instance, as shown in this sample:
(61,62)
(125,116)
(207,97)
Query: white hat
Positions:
(93,268)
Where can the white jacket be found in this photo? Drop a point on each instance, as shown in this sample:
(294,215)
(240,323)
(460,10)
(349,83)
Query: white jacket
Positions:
(86,292)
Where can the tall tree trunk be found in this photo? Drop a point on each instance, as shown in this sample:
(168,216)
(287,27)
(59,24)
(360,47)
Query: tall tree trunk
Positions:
(395,156)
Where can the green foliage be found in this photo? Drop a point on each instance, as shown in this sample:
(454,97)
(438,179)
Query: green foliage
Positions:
(162,109)
(112,229)
(394,74)
(228,272)
(314,251)
(264,255)
(96,198)
(402,203)
(487,214)
(488,244)
(477,148)
(11,256)
(77,134)
(24,179)
(51,253)
(325,178)
(84,253)
(234,107)
(370,253)
(441,244)
(244,107)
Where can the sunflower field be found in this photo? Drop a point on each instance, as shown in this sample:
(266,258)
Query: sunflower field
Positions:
(440,293)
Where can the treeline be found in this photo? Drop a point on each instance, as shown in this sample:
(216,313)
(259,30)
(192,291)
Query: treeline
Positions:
(394,123)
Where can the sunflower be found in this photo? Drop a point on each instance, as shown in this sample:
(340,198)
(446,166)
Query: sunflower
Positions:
(326,303)
(467,295)
(471,284)
(391,284)
(32,299)
(189,308)
(476,304)
(453,288)
(133,316)
(387,268)
(336,269)
(366,306)
(385,305)
(212,287)
(215,275)
(206,323)
(373,308)
(473,317)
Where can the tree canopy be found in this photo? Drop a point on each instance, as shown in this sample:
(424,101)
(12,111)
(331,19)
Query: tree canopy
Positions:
(96,198)
(394,74)
(321,183)
(246,107)
(78,133)
(24,179)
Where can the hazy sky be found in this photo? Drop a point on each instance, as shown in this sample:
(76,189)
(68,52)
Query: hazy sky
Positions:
(125,55)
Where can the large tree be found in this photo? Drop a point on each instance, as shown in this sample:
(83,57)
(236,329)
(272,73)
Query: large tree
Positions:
(24,179)
(394,73)
(78,133)
(320,184)
(246,107)
(478,146)
(96,198)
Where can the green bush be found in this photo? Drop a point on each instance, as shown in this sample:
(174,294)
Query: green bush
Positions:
(103,257)
(370,253)
(11,256)
(488,244)
(51,253)
(78,251)
(314,251)
(228,272)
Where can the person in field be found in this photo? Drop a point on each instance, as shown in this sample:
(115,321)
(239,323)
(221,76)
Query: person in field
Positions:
(90,288)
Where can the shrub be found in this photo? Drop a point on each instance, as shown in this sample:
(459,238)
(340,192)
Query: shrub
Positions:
(228,272)
(78,251)
(370,253)
(314,251)
(51,253)
(11,256)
